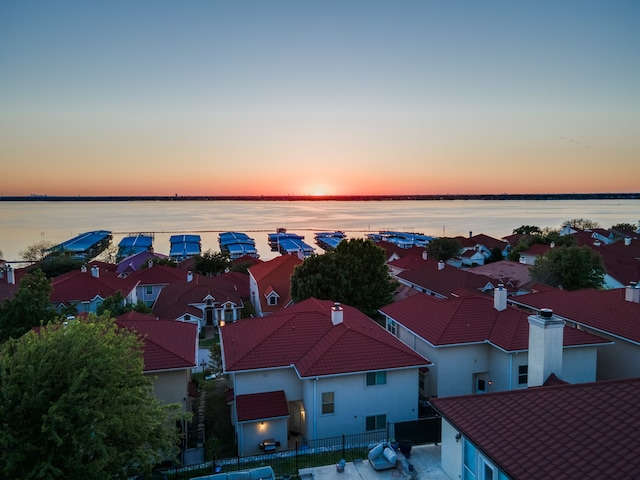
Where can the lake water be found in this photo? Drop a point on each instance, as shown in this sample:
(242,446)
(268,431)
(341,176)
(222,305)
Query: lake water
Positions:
(25,223)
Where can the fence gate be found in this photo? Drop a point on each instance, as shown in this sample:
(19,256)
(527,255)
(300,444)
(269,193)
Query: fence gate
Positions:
(422,431)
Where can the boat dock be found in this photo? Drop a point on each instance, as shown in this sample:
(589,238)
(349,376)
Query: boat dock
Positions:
(329,240)
(133,244)
(184,246)
(86,245)
(237,244)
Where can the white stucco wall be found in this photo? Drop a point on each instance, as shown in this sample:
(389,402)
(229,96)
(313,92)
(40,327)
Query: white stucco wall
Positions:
(172,386)
(451,451)
(251,434)
(621,360)
(457,366)
(269,381)
(354,401)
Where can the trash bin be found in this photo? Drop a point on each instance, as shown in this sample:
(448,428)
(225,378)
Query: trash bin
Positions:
(340,465)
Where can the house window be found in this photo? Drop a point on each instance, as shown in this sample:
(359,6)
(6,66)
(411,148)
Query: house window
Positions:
(486,471)
(149,289)
(376,422)
(272,300)
(328,404)
(376,378)
(523,374)
(392,327)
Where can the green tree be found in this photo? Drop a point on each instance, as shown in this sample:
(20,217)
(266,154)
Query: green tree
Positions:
(527,230)
(211,263)
(443,248)
(496,256)
(581,223)
(58,263)
(74,403)
(29,307)
(116,305)
(571,268)
(628,227)
(215,358)
(37,251)
(354,273)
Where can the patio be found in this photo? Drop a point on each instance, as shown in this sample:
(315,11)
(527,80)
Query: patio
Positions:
(425,460)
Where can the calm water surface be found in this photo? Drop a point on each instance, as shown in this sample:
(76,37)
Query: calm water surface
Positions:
(25,223)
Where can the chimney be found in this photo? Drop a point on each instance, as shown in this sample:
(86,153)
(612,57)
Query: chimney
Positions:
(440,265)
(632,293)
(95,271)
(83,269)
(189,276)
(470,234)
(627,241)
(500,298)
(546,331)
(11,276)
(149,263)
(424,255)
(552,245)
(336,314)
(300,254)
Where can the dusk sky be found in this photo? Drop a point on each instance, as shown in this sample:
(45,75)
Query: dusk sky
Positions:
(319,97)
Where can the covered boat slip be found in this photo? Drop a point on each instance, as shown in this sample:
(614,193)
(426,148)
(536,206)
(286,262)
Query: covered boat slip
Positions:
(184,246)
(329,240)
(88,244)
(134,244)
(237,244)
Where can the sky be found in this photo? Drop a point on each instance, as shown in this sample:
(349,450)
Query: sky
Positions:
(331,97)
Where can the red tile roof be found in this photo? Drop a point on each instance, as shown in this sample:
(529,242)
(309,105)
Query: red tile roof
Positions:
(177,298)
(259,406)
(604,310)
(304,337)
(513,275)
(168,344)
(588,430)
(78,286)
(158,275)
(484,240)
(275,275)
(447,280)
(472,319)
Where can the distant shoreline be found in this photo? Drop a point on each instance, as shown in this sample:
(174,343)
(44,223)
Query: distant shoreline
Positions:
(312,198)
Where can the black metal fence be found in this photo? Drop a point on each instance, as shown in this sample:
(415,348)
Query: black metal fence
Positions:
(313,453)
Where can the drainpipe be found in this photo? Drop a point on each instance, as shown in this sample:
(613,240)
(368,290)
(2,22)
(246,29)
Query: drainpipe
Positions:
(511,371)
(315,406)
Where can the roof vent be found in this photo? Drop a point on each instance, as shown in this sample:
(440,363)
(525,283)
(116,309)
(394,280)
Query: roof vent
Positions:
(546,313)
(336,314)
(440,265)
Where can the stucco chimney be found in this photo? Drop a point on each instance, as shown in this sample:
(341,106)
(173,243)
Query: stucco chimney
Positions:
(627,241)
(300,254)
(11,276)
(189,276)
(632,293)
(552,245)
(425,255)
(440,265)
(95,271)
(336,314)
(149,263)
(83,269)
(546,332)
(500,298)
